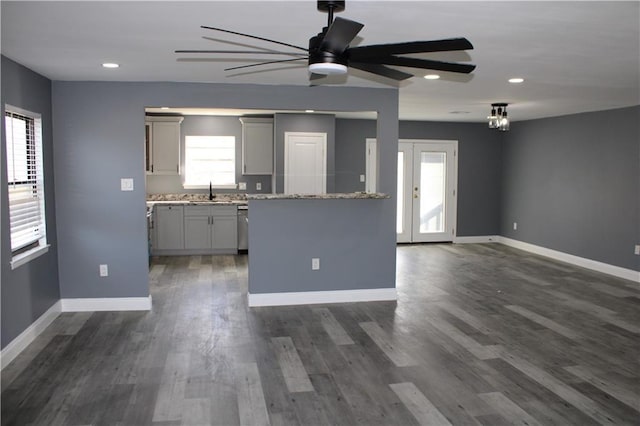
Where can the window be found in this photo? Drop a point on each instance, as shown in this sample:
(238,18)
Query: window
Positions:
(210,159)
(25,180)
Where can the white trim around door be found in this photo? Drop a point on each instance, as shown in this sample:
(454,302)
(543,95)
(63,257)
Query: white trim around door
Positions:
(416,158)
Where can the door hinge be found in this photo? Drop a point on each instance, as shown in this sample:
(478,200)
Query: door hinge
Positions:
(453,231)
(454,192)
(454,152)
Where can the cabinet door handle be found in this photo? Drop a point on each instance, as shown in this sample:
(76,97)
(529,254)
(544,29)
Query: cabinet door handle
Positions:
(152,168)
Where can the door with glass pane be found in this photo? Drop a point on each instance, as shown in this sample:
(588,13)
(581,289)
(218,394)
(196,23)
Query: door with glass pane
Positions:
(426,191)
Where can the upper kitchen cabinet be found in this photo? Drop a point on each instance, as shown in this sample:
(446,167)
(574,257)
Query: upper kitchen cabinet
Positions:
(257,146)
(162,145)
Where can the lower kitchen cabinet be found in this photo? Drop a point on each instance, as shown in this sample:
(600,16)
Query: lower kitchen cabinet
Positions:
(169,223)
(210,229)
(185,230)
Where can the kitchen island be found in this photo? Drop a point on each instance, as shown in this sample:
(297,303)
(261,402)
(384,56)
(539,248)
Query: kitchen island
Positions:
(321,248)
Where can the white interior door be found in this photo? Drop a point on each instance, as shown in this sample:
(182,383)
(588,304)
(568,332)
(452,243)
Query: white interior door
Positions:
(427,182)
(305,163)
(371,156)
(403,191)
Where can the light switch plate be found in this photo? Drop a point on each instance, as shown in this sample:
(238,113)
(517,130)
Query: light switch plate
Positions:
(315,263)
(362,178)
(258,186)
(126,184)
(242,186)
(637,249)
(104,270)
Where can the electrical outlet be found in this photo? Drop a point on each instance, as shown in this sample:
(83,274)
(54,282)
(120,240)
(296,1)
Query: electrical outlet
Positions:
(126,184)
(258,186)
(242,186)
(362,178)
(315,263)
(637,249)
(104,270)
(515,225)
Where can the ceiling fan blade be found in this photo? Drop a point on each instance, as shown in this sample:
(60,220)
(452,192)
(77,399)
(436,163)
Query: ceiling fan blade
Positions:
(248,52)
(420,63)
(265,63)
(381,70)
(446,45)
(255,37)
(316,76)
(339,35)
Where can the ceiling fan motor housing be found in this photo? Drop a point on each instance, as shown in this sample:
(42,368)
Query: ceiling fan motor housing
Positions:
(323,56)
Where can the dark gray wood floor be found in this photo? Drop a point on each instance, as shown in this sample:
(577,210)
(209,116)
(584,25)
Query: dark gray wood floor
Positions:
(480,334)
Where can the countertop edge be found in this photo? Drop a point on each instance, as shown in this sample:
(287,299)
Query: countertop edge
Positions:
(333,196)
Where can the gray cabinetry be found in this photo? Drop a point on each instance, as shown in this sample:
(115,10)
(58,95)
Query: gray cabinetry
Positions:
(197,228)
(162,145)
(257,146)
(211,229)
(169,222)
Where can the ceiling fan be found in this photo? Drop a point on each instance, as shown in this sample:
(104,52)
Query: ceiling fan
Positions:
(329,52)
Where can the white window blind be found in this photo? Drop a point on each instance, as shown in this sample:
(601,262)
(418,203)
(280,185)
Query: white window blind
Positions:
(25,178)
(210,159)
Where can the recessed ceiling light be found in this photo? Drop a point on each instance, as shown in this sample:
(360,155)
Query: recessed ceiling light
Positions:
(432,76)
(164,107)
(309,110)
(459,112)
(110,65)
(516,80)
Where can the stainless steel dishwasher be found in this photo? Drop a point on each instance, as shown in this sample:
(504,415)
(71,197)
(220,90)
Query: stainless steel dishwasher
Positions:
(243,228)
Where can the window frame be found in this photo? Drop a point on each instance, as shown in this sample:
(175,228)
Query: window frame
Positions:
(203,185)
(36,248)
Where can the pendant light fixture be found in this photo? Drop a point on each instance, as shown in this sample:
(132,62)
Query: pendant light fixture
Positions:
(498,118)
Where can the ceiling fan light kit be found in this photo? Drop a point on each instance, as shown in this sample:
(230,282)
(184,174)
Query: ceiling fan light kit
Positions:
(327,68)
(498,118)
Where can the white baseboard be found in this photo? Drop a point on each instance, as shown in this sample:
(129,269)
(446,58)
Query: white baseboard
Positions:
(107,304)
(17,345)
(476,239)
(316,297)
(605,268)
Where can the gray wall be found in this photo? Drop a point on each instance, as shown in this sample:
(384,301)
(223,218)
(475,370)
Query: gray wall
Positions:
(321,123)
(197,125)
(29,290)
(479,171)
(98,132)
(351,135)
(479,166)
(345,236)
(572,184)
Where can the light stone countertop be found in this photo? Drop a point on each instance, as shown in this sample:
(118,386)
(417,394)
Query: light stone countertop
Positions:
(242,199)
(196,199)
(332,196)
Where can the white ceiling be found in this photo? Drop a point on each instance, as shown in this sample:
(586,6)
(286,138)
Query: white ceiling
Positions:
(574,56)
